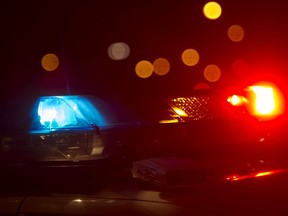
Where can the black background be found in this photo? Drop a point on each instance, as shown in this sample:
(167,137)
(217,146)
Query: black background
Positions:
(80,32)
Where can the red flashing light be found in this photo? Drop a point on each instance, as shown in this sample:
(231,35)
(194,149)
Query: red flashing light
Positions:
(237,100)
(263,100)
(268,100)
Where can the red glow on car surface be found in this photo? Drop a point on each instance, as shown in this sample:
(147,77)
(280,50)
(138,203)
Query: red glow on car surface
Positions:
(237,177)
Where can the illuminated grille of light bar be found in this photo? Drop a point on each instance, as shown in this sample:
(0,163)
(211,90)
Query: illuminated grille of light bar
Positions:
(197,108)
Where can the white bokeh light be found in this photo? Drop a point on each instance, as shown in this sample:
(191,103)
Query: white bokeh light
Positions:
(118,51)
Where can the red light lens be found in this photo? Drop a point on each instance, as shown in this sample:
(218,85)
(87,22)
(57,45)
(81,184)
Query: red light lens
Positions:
(263,100)
(266,100)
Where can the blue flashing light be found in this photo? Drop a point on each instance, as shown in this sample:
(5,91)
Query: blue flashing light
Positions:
(56,113)
(62,112)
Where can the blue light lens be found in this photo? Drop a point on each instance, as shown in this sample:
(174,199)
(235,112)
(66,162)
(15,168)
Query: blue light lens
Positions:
(56,112)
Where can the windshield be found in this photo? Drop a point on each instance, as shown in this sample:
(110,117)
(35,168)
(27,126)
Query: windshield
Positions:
(126,98)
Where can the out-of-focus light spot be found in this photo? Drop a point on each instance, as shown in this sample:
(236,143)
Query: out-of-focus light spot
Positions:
(264,174)
(190,57)
(254,175)
(237,100)
(232,178)
(118,51)
(144,69)
(161,66)
(201,85)
(212,73)
(240,68)
(262,139)
(212,10)
(168,121)
(50,62)
(236,33)
(265,99)
(180,112)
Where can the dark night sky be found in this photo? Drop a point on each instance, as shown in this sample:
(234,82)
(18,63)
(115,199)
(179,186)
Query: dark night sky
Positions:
(79,33)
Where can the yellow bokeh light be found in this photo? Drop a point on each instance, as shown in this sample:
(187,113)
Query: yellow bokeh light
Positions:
(144,69)
(236,33)
(118,51)
(161,66)
(190,57)
(212,73)
(50,62)
(212,10)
